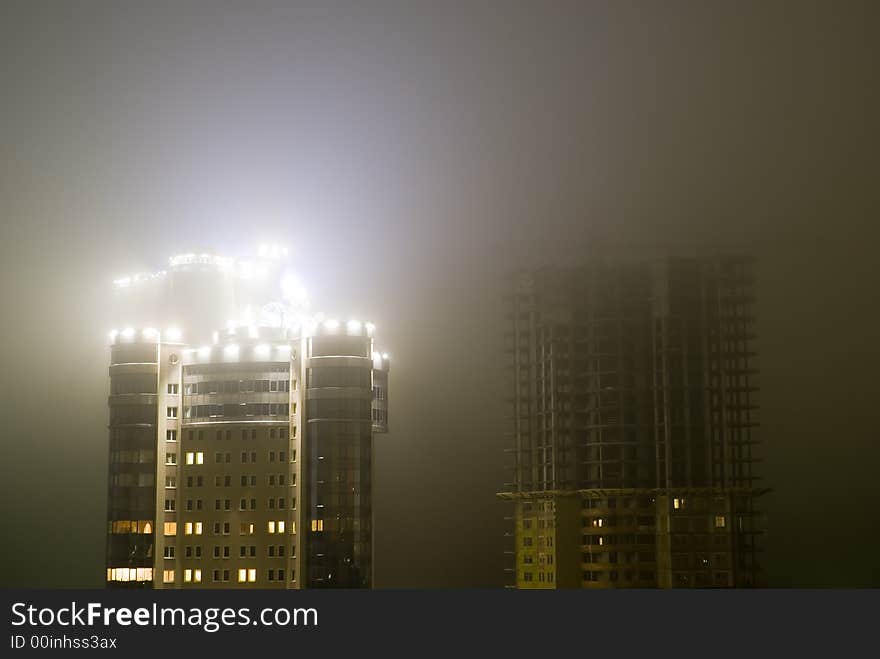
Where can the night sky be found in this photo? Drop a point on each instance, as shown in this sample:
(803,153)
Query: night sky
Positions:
(411,154)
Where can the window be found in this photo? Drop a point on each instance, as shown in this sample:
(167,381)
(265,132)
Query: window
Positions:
(171,412)
(169,505)
(170,528)
(246,528)
(187,575)
(195,458)
(242,575)
(678,504)
(720,521)
(172,388)
(170,435)
(169,552)
(171,458)
(317,525)
(168,576)
(251,575)
(170,482)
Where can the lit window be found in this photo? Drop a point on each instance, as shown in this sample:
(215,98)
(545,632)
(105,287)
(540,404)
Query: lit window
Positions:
(168,576)
(187,575)
(271,527)
(188,528)
(678,503)
(170,528)
(317,525)
(129,574)
(251,575)
(190,457)
(200,458)
(720,521)
(281,526)
(197,576)
(198,528)
(242,575)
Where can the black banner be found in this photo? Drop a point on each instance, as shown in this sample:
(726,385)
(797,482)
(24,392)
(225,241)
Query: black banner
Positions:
(625,623)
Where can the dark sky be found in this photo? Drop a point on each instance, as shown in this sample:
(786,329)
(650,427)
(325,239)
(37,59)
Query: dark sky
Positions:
(411,154)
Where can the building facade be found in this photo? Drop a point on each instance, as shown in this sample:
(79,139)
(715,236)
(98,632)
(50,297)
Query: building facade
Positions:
(246,462)
(634,409)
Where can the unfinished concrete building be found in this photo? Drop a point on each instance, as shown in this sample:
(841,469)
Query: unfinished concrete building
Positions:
(633,416)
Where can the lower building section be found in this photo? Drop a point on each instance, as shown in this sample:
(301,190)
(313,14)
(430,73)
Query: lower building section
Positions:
(637,538)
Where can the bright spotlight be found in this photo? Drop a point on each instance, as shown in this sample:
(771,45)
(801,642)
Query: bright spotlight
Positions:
(173,334)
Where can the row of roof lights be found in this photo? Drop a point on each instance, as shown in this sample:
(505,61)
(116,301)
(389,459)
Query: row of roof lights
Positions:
(148,334)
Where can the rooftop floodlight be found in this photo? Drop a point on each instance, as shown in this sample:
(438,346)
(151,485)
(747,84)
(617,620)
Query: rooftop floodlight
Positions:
(384,355)
(331,324)
(128,333)
(173,334)
(262,350)
(150,333)
(205,352)
(354,327)
(370,328)
(253,332)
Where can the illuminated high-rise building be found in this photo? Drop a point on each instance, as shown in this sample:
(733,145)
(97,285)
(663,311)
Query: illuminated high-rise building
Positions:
(634,409)
(243,460)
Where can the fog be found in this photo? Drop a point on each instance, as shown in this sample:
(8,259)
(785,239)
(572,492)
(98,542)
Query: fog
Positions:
(411,154)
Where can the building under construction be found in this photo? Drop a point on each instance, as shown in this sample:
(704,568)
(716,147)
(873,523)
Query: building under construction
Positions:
(633,416)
